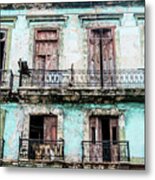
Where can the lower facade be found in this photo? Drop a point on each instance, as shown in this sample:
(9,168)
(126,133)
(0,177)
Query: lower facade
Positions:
(73,135)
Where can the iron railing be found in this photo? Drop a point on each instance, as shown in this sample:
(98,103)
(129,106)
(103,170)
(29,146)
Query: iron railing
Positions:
(105,151)
(126,78)
(6,79)
(1,148)
(34,149)
(45,78)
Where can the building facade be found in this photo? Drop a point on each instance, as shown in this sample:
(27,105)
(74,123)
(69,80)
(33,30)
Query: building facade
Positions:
(72,84)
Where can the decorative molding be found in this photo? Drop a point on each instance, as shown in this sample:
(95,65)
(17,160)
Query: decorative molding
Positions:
(8,19)
(46,18)
(96,17)
(139,17)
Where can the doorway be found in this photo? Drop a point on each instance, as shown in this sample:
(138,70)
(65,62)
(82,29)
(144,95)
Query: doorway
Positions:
(101,61)
(43,131)
(103,137)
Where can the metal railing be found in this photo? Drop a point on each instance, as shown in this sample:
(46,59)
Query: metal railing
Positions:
(6,79)
(1,148)
(122,78)
(34,149)
(105,151)
(45,78)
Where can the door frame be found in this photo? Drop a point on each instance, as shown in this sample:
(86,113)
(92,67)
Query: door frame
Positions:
(112,28)
(34,41)
(108,146)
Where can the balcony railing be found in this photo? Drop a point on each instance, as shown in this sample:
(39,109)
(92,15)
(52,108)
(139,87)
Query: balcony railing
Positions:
(6,79)
(45,78)
(126,78)
(34,149)
(105,151)
(1,148)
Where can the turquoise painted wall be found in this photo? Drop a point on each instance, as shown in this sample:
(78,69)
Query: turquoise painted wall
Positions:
(73,126)
(135,128)
(12,128)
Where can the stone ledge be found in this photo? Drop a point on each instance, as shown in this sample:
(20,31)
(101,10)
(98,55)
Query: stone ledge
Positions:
(71,4)
(74,165)
(80,95)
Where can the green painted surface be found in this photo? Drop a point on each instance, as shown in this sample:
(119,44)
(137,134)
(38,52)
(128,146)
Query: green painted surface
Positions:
(73,126)
(73,50)
(2,122)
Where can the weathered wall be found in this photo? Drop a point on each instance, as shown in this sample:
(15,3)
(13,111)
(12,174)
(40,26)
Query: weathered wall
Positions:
(129,37)
(129,43)
(73,126)
(135,128)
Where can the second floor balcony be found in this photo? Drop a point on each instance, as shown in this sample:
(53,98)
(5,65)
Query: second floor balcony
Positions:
(73,85)
(83,79)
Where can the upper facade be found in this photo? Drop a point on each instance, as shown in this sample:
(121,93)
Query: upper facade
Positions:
(75,48)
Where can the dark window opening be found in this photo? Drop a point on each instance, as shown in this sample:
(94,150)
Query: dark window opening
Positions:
(105,129)
(114,134)
(2,51)
(2,36)
(2,48)
(93,135)
(106,138)
(2,44)
(36,127)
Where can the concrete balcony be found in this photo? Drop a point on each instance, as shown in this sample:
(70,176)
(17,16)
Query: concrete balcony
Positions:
(75,85)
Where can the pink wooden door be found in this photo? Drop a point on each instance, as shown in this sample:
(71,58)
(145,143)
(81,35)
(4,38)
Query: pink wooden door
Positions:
(46,53)
(46,49)
(94,58)
(101,61)
(95,138)
(114,138)
(50,128)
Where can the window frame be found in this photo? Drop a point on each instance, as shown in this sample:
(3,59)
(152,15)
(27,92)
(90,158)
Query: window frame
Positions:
(35,39)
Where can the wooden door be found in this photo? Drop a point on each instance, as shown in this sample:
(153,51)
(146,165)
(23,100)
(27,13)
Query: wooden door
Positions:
(114,139)
(94,58)
(46,49)
(46,52)
(50,128)
(95,149)
(101,61)
(103,133)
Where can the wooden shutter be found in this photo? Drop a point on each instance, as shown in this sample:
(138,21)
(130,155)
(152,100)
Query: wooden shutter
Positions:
(101,45)
(46,49)
(113,138)
(50,128)
(108,57)
(94,50)
(95,148)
